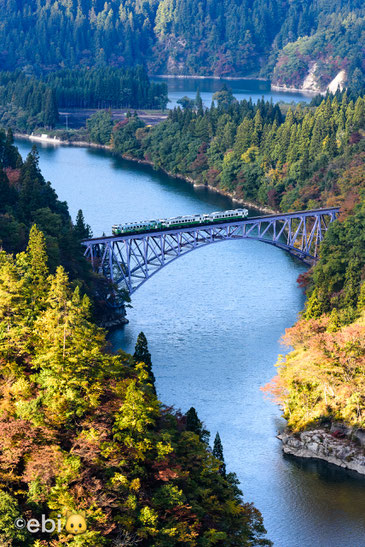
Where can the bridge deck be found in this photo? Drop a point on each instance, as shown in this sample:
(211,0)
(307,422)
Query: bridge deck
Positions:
(278,216)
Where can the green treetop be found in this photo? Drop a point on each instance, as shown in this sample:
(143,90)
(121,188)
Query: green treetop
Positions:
(195,425)
(218,453)
(142,355)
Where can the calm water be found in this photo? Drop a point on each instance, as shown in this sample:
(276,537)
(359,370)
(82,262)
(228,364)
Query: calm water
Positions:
(213,320)
(242,89)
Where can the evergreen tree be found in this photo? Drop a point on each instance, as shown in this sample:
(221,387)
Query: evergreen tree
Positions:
(218,453)
(313,308)
(361,300)
(13,309)
(11,157)
(142,355)
(50,110)
(82,230)
(7,194)
(195,425)
(198,103)
(34,263)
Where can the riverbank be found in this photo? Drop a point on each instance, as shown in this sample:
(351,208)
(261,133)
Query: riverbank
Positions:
(196,184)
(336,444)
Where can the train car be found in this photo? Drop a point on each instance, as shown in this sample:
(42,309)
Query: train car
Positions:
(178,222)
(132,227)
(227,215)
(116,229)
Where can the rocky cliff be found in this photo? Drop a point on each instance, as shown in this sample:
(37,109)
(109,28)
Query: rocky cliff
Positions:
(336,444)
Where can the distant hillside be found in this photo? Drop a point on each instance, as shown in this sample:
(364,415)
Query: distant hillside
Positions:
(282,39)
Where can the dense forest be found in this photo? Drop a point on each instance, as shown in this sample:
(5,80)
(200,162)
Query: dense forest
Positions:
(283,37)
(323,378)
(310,157)
(106,87)
(28,102)
(26,198)
(83,431)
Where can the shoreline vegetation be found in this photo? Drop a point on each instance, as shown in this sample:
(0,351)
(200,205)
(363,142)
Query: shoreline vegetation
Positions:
(307,92)
(109,148)
(273,87)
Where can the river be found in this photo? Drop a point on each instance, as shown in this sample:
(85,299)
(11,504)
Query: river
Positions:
(241,88)
(213,320)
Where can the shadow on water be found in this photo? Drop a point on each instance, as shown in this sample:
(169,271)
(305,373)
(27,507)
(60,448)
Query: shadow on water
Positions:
(326,472)
(170,184)
(210,85)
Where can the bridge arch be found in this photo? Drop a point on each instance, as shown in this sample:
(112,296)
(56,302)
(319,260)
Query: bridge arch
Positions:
(128,261)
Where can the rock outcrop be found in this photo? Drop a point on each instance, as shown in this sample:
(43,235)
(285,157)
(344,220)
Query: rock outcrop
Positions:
(338,445)
(310,82)
(338,82)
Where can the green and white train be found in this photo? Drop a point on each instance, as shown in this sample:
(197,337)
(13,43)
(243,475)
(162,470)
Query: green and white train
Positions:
(179,222)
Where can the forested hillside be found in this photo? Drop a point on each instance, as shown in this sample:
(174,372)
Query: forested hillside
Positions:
(83,431)
(27,102)
(27,198)
(312,157)
(322,380)
(186,37)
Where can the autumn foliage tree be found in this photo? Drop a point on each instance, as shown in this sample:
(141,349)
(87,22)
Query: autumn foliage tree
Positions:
(323,378)
(82,430)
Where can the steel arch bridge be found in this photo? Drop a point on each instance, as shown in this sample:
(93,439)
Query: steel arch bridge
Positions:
(129,260)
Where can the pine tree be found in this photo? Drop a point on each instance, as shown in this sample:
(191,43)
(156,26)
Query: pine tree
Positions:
(199,103)
(13,307)
(258,127)
(37,256)
(50,110)
(244,136)
(142,355)
(11,157)
(334,322)
(352,283)
(195,425)
(313,306)
(34,264)
(361,300)
(218,453)
(83,230)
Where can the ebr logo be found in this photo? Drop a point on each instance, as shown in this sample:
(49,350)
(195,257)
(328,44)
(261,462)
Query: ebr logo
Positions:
(45,526)
(75,524)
